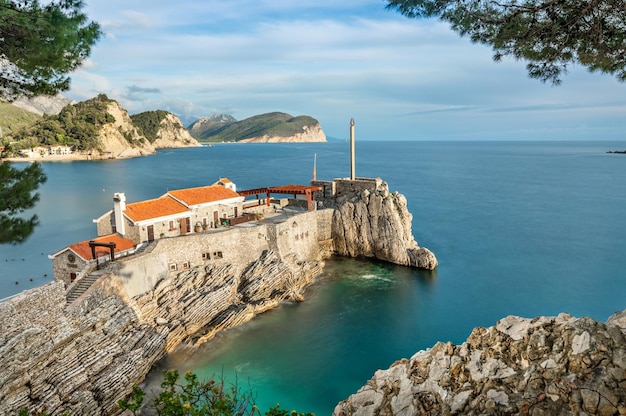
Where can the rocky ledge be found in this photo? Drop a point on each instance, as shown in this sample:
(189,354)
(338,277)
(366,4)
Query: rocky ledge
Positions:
(543,366)
(376,223)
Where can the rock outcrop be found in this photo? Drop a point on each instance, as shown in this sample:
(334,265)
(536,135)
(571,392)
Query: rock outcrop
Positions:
(543,366)
(172,134)
(121,139)
(369,221)
(80,360)
(84,357)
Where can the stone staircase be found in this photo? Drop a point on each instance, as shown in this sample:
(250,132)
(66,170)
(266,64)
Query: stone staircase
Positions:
(82,285)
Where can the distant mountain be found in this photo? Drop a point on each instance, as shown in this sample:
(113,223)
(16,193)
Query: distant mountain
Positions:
(267,128)
(206,126)
(43,104)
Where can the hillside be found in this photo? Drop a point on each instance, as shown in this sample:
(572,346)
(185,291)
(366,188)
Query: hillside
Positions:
(163,129)
(206,126)
(13,118)
(100,128)
(270,127)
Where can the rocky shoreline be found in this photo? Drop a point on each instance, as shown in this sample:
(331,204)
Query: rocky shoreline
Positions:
(83,356)
(542,366)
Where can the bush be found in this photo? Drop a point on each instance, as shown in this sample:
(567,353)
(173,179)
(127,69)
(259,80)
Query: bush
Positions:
(195,397)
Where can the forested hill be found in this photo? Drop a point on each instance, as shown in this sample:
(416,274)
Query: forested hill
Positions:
(101,128)
(77,125)
(13,118)
(270,127)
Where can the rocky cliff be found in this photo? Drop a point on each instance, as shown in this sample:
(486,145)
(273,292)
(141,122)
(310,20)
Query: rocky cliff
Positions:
(171,134)
(83,358)
(121,139)
(543,366)
(369,221)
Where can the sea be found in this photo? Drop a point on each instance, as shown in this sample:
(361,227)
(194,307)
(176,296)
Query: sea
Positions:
(519,228)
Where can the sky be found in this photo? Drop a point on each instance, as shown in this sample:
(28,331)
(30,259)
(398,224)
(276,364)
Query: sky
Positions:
(399,78)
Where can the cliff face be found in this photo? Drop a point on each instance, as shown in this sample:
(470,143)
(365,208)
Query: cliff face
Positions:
(121,139)
(542,366)
(372,222)
(172,134)
(313,133)
(80,360)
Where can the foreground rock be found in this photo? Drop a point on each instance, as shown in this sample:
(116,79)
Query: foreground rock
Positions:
(85,357)
(543,366)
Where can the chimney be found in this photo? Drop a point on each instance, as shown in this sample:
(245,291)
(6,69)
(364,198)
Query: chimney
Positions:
(119,205)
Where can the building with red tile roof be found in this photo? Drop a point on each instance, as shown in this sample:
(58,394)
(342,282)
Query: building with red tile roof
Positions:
(176,213)
(76,260)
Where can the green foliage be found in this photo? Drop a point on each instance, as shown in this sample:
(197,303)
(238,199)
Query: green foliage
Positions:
(41,44)
(13,118)
(195,397)
(17,194)
(548,34)
(149,122)
(271,124)
(77,125)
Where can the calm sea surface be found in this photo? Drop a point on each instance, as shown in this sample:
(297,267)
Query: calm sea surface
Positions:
(524,228)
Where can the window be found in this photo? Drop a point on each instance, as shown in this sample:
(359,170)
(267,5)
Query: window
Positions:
(172,226)
(173,267)
(217,255)
(185,265)
(206,256)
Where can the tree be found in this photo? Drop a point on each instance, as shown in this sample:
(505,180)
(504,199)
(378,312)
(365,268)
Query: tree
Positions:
(195,397)
(17,194)
(548,34)
(41,44)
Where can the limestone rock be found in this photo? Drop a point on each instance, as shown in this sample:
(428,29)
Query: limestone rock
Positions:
(541,366)
(377,223)
(121,139)
(172,134)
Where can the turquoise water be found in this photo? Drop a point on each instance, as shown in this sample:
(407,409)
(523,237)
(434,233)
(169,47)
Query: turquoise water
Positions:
(525,228)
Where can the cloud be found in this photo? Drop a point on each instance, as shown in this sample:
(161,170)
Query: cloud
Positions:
(400,77)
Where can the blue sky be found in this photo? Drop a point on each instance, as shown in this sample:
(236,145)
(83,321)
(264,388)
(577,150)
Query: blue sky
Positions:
(401,79)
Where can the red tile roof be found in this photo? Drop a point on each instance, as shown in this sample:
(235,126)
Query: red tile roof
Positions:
(203,194)
(154,208)
(84,251)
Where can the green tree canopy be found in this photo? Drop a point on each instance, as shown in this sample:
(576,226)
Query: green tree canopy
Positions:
(548,34)
(17,194)
(41,44)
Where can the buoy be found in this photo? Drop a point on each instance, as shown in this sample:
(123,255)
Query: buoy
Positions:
(45,275)
(31,279)
(17,283)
